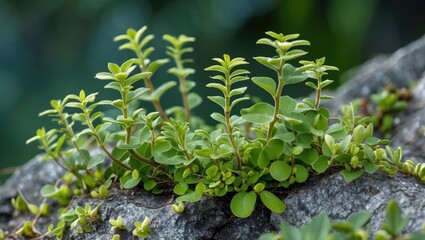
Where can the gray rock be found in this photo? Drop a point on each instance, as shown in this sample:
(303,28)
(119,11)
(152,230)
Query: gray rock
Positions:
(401,68)
(370,192)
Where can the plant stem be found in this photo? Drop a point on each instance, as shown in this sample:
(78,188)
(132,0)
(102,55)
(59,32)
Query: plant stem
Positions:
(276,100)
(229,127)
(128,135)
(318,91)
(183,88)
(148,84)
(101,144)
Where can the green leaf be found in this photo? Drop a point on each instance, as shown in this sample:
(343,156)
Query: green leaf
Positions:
(169,160)
(189,197)
(291,75)
(194,100)
(318,228)
(237,91)
(134,143)
(359,219)
(218,100)
(272,202)
(263,160)
(180,188)
(218,117)
(266,62)
(287,105)
(137,77)
(373,141)
(296,150)
(301,175)
(157,94)
(266,83)
(132,95)
(243,203)
(308,155)
(212,171)
(153,66)
(321,164)
(369,167)
(218,86)
(259,113)
(350,176)
(312,85)
(358,134)
(161,146)
(280,170)
(274,148)
(48,191)
(96,160)
(394,221)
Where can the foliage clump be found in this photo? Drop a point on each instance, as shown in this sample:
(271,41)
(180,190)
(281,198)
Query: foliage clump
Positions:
(354,227)
(249,154)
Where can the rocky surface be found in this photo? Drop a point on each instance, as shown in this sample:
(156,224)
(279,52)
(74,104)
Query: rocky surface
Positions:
(370,192)
(211,218)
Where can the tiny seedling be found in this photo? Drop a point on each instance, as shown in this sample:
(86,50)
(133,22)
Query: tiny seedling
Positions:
(117,224)
(142,229)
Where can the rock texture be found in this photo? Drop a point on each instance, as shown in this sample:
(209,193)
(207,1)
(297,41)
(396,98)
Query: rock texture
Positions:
(211,219)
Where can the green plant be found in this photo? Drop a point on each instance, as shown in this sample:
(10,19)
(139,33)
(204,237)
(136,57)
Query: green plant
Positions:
(142,229)
(247,155)
(27,230)
(355,227)
(178,208)
(85,218)
(117,224)
(101,192)
(385,105)
(1,234)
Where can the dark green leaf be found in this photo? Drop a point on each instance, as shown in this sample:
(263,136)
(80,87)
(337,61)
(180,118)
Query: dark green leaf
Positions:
(280,170)
(287,105)
(266,83)
(96,160)
(308,155)
(243,203)
(321,164)
(359,219)
(350,176)
(194,100)
(291,75)
(259,113)
(189,197)
(157,94)
(272,202)
(274,148)
(394,221)
(180,188)
(301,174)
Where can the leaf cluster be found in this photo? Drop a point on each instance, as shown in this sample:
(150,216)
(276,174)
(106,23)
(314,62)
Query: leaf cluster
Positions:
(85,218)
(142,229)
(354,227)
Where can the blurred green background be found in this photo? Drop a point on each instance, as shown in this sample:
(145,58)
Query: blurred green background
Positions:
(50,48)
